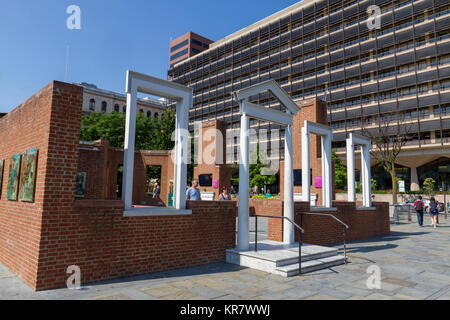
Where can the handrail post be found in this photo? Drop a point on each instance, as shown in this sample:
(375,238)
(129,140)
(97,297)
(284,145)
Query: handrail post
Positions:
(300,243)
(256,233)
(345,245)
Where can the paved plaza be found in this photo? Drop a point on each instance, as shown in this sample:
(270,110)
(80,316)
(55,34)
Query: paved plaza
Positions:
(414,264)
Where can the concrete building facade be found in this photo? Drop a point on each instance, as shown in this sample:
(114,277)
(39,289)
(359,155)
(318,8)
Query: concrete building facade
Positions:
(325,49)
(99,100)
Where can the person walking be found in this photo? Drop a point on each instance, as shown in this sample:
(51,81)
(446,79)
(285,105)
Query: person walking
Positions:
(433,211)
(193,193)
(225,196)
(419,206)
(156,191)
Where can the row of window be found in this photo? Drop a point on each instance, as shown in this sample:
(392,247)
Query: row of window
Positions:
(200,44)
(334,66)
(348,43)
(179,54)
(393,94)
(390,118)
(303,23)
(352,81)
(179,46)
(104,108)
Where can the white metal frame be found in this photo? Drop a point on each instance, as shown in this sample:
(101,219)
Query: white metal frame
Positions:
(183,96)
(366,144)
(326,135)
(248,110)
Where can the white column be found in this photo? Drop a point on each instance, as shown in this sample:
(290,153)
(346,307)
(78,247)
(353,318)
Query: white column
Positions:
(351,171)
(328,184)
(181,154)
(367,188)
(306,181)
(244,177)
(128,161)
(288,228)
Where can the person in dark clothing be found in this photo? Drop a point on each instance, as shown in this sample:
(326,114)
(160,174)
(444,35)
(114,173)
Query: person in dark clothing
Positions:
(420,207)
(433,211)
(225,196)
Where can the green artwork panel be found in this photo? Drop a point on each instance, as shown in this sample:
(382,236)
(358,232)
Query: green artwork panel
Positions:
(13,182)
(2,165)
(28,175)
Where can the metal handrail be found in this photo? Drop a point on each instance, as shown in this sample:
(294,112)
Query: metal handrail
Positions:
(338,220)
(300,241)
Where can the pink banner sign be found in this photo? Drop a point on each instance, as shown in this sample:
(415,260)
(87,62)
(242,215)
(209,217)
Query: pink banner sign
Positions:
(215,184)
(318,182)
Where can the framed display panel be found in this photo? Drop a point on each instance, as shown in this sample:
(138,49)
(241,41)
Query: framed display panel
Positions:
(14,171)
(28,175)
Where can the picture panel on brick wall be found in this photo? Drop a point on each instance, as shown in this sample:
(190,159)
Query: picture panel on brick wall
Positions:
(28,175)
(13,182)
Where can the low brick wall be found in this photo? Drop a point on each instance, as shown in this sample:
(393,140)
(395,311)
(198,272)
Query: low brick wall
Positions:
(105,245)
(363,223)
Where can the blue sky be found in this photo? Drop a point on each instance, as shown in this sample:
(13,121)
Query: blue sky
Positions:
(115,35)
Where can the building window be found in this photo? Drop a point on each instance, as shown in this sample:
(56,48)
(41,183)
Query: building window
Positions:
(141,111)
(116,108)
(196,42)
(104,106)
(124,109)
(156,115)
(92,105)
(179,54)
(149,114)
(178,46)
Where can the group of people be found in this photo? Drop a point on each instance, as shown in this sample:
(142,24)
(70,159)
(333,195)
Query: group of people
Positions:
(432,210)
(193,193)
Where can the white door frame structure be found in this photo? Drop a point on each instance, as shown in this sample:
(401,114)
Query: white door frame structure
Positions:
(137,82)
(326,134)
(247,110)
(366,144)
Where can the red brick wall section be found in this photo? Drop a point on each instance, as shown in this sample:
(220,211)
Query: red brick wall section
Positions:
(58,225)
(40,119)
(219,170)
(106,245)
(101,162)
(319,230)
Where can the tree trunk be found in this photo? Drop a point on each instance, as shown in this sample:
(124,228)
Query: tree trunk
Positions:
(394,186)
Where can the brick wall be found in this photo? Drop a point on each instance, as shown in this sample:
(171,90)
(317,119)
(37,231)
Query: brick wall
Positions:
(101,163)
(363,223)
(49,121)
(219,170)
(40,240)
(107,245)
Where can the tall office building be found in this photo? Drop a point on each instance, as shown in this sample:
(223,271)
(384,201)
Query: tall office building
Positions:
(187,46)
(325,49)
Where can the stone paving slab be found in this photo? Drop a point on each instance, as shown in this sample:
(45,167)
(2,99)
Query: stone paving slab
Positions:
(414,264)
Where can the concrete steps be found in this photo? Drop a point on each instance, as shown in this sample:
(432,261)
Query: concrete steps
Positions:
(310,266)
(278,258)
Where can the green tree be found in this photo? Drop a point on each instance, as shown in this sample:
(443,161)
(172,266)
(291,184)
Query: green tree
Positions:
(428,186)
(258,170)
(373,184)
(340,171)
(152,133)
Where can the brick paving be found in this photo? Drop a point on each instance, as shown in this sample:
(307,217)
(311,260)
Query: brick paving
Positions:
(414,264)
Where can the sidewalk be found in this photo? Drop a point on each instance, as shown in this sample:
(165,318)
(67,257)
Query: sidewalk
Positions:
(414,264)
